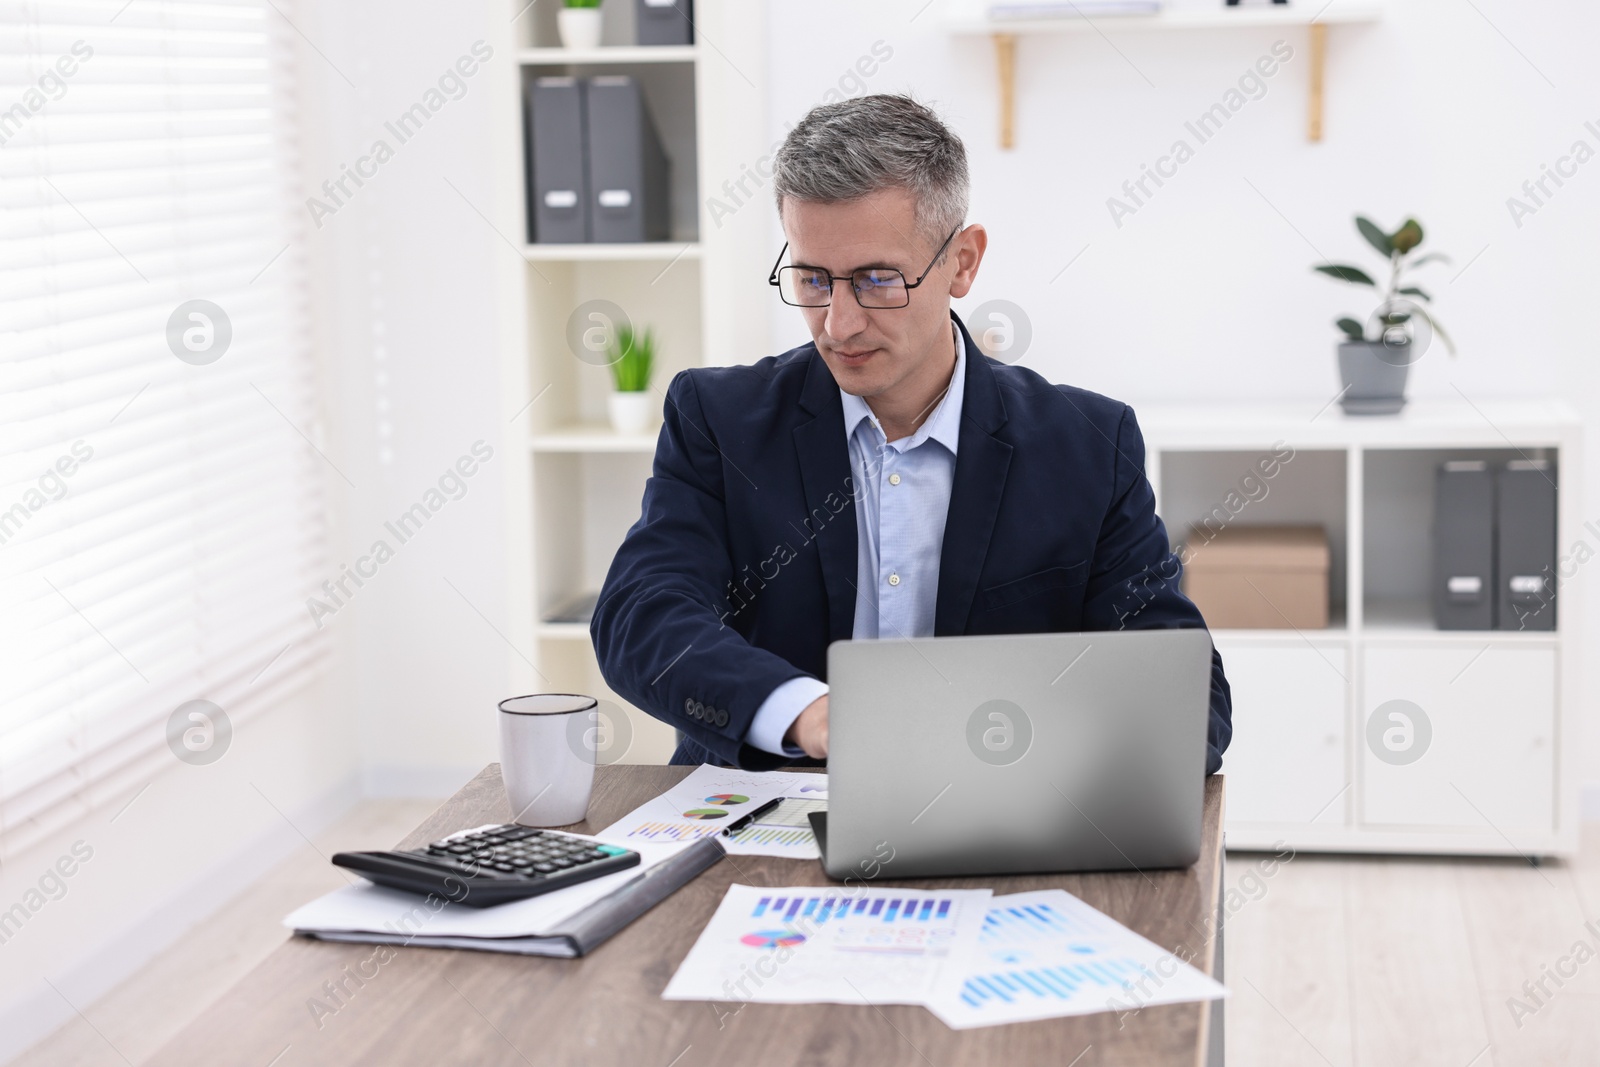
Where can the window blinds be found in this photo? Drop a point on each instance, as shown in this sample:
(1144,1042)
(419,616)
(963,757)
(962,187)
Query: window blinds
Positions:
(160,505)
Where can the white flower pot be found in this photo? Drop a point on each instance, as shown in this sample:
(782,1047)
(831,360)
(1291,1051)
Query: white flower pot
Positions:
(631,413)
(579,27)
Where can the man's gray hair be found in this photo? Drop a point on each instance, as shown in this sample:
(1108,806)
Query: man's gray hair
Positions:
(847,150)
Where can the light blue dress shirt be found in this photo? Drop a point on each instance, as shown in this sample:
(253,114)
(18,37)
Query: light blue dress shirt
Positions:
(902,498)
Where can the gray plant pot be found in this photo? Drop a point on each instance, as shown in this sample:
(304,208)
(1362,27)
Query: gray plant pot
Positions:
(1374,377)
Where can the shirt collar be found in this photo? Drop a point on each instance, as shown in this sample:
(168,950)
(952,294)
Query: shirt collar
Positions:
(943,425)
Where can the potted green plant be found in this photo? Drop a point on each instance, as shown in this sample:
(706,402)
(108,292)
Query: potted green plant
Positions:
(579,24)
(633,357)
(1373,369)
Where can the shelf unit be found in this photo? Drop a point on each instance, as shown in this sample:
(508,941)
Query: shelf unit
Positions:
(606,55)
(969,18)
(575,485)
(1498,773)
(649,251)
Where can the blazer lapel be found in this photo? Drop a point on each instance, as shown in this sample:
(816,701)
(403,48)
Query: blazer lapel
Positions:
(982,461)
(824,459)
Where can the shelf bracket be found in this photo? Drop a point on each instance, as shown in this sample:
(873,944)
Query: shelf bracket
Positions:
(1319,49)
(1005,54)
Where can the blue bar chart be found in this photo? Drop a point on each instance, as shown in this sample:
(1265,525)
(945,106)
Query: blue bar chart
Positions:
(1047,954)
(804,944)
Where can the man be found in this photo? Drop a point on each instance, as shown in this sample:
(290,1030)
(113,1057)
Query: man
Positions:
(886,480)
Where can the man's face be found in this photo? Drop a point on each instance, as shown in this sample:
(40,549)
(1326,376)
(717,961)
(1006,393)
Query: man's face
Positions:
(878,351)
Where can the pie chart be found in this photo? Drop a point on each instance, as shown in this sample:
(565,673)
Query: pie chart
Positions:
(773,939)
(727,798)
(705,813)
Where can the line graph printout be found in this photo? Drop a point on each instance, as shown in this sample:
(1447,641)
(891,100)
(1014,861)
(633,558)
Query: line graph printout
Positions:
(1046,954)
(810,944)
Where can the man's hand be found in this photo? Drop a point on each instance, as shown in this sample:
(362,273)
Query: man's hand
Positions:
(810,730)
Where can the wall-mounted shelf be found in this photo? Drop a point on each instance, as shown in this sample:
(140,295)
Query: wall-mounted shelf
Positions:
(563,631)
(612,253)
(587,57)
(592,439)
(1219,17)
(1315,18)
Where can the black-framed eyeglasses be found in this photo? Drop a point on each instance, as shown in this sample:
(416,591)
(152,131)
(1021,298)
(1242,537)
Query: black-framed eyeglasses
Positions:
(875,287)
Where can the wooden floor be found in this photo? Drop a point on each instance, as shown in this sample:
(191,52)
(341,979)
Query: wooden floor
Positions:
(1332,961)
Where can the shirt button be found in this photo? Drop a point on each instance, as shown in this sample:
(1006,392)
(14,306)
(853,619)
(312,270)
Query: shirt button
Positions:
(894,479)
(894,579)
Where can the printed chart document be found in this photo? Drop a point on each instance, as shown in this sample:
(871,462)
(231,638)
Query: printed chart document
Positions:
(811,944)
(1046,954)
(711,798)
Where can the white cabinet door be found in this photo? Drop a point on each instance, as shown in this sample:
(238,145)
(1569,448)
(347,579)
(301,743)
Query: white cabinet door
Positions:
(1286,763)
(1459,737)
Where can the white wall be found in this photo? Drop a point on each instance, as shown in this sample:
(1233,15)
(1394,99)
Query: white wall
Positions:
(408,303)
(180,840)
(181,843)
(403,302)
(1442,110)
(1206,292)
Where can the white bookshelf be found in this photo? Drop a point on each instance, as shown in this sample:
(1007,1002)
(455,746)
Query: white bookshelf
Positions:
(649,251)
(1499,775)
(595,437)
(554,56)
(575,485)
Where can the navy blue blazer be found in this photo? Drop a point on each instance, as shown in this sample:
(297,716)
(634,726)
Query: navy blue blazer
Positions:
(741,569)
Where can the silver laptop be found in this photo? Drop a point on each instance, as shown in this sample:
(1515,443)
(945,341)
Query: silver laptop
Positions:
(1012,754)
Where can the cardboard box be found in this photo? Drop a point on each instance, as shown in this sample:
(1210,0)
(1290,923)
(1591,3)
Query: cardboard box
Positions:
(1259,577)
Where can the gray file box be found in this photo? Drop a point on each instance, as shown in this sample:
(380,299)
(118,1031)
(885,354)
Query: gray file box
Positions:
(664,21)
(1526,594)
(558,202)
(1463,546)
(627,167)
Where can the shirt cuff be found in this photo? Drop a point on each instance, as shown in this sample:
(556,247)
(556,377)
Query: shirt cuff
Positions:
(779,711)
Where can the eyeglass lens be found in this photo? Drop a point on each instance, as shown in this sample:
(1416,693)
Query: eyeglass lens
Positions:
(874,287)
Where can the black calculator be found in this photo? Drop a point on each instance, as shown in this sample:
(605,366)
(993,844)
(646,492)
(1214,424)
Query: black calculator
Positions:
(492,865)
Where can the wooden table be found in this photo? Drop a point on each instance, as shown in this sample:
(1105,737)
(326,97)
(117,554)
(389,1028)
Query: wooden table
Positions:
(393,1005)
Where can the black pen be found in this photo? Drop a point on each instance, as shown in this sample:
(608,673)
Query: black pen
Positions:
(740,824)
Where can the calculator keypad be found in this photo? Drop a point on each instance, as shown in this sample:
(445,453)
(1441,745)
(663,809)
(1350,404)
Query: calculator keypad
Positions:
(516,852)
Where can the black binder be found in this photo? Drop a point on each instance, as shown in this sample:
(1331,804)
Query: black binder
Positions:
(627,167)
(1463,546)
(1526,596)
(661,22)
(558,204)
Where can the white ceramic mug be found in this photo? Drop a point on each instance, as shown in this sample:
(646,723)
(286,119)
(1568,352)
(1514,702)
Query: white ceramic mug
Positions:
(548,770)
